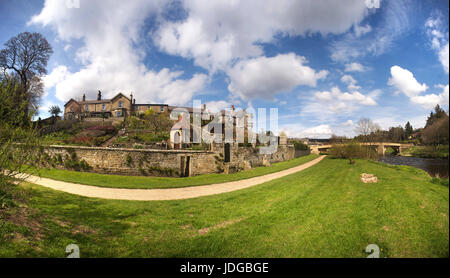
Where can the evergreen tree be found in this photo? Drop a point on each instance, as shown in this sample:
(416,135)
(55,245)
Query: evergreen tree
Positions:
(408,130)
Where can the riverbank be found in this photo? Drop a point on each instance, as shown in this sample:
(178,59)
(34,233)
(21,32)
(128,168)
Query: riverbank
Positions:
(323,211)
(441,151)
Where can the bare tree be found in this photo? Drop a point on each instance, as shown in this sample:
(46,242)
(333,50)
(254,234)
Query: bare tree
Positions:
(369,131)
(364,126)
(25,57)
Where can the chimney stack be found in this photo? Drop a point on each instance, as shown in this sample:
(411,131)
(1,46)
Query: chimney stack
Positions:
(84,97)
(99,95)
(131,98)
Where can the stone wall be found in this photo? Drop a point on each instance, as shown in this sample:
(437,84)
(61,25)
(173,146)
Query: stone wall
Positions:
(137,161)
(167,162)
(246,157)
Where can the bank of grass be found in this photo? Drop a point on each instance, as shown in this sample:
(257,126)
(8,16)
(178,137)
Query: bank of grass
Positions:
(441,151)
(117,181)
(322,211)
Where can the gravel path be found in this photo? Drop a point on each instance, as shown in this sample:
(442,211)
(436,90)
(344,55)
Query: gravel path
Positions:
(164,194)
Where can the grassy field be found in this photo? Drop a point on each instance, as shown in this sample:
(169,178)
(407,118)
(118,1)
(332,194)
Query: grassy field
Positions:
(441,151)
(163,182)
(323,211)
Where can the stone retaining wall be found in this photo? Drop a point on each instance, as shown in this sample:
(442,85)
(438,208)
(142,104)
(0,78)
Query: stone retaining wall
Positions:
(166,162)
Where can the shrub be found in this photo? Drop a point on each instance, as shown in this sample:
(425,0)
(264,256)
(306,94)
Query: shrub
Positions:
(129,160)
(353,150)
(300,146)
(444,182)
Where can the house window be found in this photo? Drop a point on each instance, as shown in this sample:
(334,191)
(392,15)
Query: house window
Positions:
(86,107)
(119,114)
(161,108)
(103,107)
(148,107)
(120,104)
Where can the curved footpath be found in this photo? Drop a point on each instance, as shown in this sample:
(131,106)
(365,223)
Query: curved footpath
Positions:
(164,194)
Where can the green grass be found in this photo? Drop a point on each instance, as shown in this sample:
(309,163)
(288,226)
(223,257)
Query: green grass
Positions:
(323,211)
(440,151)
(163,182)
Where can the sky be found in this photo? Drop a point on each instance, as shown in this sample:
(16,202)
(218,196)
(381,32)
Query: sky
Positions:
(323,64)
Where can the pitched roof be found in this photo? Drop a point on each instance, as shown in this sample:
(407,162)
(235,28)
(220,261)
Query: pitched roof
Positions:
(118,95)
(95,101)
(70,100)
(150,104)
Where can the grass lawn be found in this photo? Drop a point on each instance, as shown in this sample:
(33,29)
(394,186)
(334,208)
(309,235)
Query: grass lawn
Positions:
(162,182)
(322,211)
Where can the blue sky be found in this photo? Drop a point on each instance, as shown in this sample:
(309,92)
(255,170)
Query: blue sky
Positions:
(323,64)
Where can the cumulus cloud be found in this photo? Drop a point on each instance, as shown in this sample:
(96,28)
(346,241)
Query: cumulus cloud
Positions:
(112,54)
(264,77)
(343,98)
(215,33)
(327,105)
(405,82)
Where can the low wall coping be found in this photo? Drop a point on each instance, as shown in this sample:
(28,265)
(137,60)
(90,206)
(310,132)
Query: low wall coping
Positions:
(124,149)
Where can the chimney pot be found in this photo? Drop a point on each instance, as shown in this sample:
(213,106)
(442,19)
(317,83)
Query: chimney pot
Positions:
(84,97)
(99,96)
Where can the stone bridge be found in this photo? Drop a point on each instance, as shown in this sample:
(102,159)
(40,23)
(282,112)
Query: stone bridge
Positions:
(380,146)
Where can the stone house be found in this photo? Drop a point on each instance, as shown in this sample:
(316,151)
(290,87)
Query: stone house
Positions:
(120,106)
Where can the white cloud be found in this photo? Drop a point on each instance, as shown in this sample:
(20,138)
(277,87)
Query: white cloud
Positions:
(216,106)
(405,82)
(361,30)
(348,123)
(58,74)
(112,56)
(443,57)
(265,77)
(330,105)
(299,131)
(430,100)
(351,82)
(335,96)
(439,39)
(394,23)
(216,33)
(354,67)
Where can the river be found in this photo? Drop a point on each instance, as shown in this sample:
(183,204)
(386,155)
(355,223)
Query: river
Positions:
(433,166)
